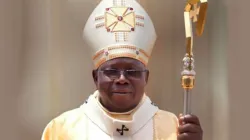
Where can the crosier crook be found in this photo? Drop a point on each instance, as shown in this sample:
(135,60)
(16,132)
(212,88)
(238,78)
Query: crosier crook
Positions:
(195,12)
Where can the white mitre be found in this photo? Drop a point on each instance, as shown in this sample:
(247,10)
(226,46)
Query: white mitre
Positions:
(119,28)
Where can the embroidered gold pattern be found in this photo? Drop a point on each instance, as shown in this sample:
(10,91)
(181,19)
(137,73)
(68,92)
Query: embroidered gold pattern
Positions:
(120,19)
(142,51)
(100,25)
(99,18)
(139,17)
(112,48)
(122,55)
(122,46)
(125,36)
(106,54)
(100,62)
(98,54)
(142,60)
(116,37)
(139,24)
(121,36)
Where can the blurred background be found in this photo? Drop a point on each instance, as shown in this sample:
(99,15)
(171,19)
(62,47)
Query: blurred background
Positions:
(45,67)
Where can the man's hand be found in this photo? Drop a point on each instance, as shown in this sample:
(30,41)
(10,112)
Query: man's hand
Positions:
(189,128)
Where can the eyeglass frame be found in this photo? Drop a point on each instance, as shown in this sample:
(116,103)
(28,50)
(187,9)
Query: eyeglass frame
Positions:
(124,72)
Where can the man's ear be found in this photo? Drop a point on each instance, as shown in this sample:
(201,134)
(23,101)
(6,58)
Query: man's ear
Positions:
(95,76)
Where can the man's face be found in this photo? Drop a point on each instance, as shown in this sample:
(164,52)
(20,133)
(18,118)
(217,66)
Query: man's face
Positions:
(121,83)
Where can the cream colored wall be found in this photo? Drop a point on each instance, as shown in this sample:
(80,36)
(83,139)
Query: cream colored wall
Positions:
(10,66)
(238,69)
(45,67)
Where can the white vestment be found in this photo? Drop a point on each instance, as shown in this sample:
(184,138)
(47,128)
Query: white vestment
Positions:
(92,122)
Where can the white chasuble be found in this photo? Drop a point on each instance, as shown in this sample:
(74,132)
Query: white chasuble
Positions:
(92,122)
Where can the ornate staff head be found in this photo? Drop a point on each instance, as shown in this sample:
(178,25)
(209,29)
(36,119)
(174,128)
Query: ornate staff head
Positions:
(195,12)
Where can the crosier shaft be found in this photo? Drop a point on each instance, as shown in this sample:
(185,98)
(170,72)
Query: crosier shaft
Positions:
(187,102)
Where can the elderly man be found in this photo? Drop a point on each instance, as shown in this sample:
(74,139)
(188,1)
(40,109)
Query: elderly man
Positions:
(121,36)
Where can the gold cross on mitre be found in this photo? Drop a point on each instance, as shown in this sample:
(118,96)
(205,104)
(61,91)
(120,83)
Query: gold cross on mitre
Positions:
(120,20)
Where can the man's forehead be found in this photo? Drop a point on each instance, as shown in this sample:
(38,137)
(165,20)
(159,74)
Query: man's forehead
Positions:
(123,61)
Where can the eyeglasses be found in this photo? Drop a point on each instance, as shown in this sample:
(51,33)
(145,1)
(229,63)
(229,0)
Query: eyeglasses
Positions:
(115,74)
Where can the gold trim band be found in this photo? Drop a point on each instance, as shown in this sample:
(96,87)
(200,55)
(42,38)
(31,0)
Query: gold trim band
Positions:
(119,47)
(112,56)
(98,54)
(142,51)
(122,47)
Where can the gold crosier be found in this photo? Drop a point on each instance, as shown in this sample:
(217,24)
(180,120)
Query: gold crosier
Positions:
(195,12)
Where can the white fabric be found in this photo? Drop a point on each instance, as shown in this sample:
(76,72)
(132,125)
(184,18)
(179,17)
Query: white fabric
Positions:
(142,37)
(98,38)
(102,126)
(91,122)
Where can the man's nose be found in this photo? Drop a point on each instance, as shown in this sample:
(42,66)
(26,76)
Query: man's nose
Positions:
(122,78)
